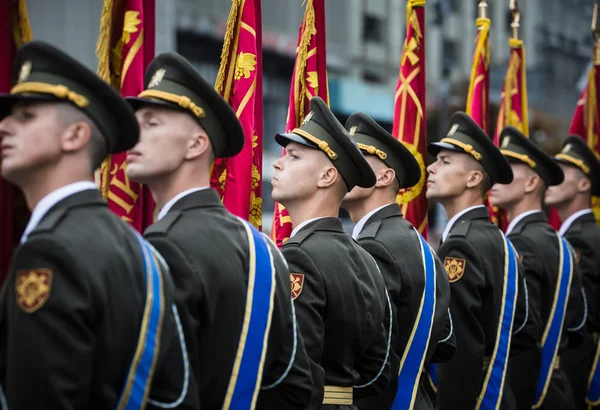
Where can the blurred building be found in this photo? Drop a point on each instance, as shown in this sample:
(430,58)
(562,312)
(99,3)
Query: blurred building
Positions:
(364,44)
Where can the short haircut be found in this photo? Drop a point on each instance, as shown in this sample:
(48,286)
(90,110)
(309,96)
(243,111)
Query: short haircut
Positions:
(97,147)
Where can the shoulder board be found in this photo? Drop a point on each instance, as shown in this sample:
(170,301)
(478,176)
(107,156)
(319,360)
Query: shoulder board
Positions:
(164,224)
(50,221)
(299,237)
(461,229)
(370,231)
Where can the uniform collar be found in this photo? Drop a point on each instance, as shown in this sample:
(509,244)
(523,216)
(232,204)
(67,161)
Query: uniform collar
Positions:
(303,224)
(51,199)
(569,221)
(363,221)
(176,198)
(455,219)
(519,218)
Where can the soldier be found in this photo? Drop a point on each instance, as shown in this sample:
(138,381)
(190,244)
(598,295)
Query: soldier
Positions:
(415,278)
(86,296)
(339,293)
(572,200)
(554,286)
(487,305)
(218,262)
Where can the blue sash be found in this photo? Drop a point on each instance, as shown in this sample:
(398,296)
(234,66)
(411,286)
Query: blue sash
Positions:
(412,361)
(246,375)
(493,385)
(431,369)
(141,370)
(593,394)
(554,327)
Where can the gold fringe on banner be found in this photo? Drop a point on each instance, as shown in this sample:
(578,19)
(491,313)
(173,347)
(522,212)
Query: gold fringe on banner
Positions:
(103,52)
(227,54)
(309,30)
(21,26)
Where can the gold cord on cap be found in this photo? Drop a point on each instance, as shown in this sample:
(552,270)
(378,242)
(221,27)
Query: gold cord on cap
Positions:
(577,162)
(521,157)
(466,147)
(373,150)
(181,100)
(59,91)
(323,145)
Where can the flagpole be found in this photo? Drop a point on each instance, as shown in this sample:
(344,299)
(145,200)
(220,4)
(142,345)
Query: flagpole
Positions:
(516,19)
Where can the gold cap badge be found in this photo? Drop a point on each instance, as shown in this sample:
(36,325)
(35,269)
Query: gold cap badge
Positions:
(352,130)
(452,130)
(157,77)
(25,71)
(307,118)
(505,142)
(567,148)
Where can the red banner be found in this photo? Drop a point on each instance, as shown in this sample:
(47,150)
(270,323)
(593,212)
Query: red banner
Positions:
(125,48)
(409,111)
(586,121)
(479,87)
(513,106)
(15,30)
(309,79)
(239,179)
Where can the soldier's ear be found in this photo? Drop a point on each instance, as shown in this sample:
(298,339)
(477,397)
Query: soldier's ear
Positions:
(385,177)
(328,176)
(198,144)
(474,178)
(584,184)
(76,136)
(532,182)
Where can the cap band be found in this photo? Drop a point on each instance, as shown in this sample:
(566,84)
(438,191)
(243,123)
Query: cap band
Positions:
(370,149)
(323,145)
(181,100)
(466,147)
(577,162)
(59,91)
(521,157)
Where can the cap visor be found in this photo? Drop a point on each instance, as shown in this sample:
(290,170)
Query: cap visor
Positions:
(285,139)
(435,147)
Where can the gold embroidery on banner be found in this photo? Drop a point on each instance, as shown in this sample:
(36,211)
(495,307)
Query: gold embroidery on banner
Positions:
(255,217)
(123,185)
(223,179)
(244,65)
(255,177)
(455,268)
(33,288)
(313,81)
(297,284)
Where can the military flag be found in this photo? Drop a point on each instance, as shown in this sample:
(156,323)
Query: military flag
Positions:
(239,80)
(409,125)
(125,48)
(15,31)
(513,104)
(586,119)
(308,79)
(479,88)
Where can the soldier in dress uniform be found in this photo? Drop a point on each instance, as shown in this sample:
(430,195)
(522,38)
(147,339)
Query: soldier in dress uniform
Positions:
(535,375)
(85,316)
(572,200)
(218,262)
(340,296)
(419,291)
(488,302)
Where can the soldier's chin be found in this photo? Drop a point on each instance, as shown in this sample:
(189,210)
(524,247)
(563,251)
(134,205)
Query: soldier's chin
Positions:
(12,172)
(137,173)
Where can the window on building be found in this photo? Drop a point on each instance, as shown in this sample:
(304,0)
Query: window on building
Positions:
(373,28)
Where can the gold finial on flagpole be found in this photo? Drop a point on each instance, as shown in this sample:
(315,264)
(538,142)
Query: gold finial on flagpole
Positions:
(596,35)
(482,7)
(516,18)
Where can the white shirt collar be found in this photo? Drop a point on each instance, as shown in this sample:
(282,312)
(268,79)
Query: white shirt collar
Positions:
(52,199)
(361,224)
(522,215)
(303,224)
(455,218)
(567,223)
(176,198)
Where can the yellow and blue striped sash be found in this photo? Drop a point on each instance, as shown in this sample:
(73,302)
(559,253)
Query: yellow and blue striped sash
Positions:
(554,326)
(493,385)
(246,375)
(413,358)
(141,371)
